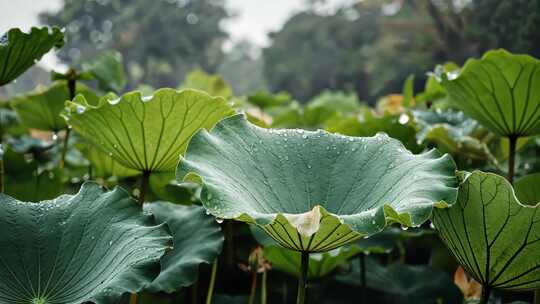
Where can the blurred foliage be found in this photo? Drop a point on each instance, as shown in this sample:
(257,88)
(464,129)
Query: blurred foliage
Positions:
(160,40)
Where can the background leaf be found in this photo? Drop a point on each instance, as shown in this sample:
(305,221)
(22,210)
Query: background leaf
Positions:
(197,239)
(19,51)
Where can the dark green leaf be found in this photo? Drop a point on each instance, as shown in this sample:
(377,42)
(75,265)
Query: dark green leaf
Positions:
(93,246)
(197,239)
(499,91)
(528,189)
(406,283)
(314,191)
(493,235)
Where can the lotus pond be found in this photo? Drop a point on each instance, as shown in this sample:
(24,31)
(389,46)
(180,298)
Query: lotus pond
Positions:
(195,195)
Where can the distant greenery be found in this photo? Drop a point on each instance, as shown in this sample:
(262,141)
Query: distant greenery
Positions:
(160,40)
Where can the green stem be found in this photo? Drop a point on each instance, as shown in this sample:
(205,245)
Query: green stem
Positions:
(511,157)
(253,291)
(72,87)
(302,280)
(1,171)
(485,294)
(133,298)
(195,293)
(536,296)
(64,149)
(212,283)
(145,178)
(229,239)
(263,287)
(362,261)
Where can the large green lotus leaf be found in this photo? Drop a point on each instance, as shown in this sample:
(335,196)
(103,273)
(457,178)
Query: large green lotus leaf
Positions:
(528,189)
(19,51)
(499,91)
(314,191)
(146,133)
(493,235)
(41,109)
(108,70)
(367,123)
(405,283)
(320,264)
(93,246)
(197,239)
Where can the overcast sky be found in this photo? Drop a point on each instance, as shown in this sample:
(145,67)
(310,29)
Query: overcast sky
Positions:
(254,18)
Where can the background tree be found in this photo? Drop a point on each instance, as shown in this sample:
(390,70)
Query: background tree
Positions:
(242,68)
(160,40)
(314,51)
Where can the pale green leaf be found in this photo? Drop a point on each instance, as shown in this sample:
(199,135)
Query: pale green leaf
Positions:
(41,109)
(146,133)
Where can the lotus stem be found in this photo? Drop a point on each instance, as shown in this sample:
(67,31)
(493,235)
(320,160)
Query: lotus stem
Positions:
(195,293)
(62,163)
(486,290)
(253,291)
(536,296)
(362,260)
(212,283)
(263,287)
(229,239)
(511,157)
(145,179)
(302,281)
(133,298)
(1,172)
(72,87)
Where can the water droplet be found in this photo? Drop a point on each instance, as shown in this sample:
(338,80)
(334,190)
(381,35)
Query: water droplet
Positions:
(404,228)
(309,166)
(403,118)
(110,243)
(80,109)
(219,220)
(304,136)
